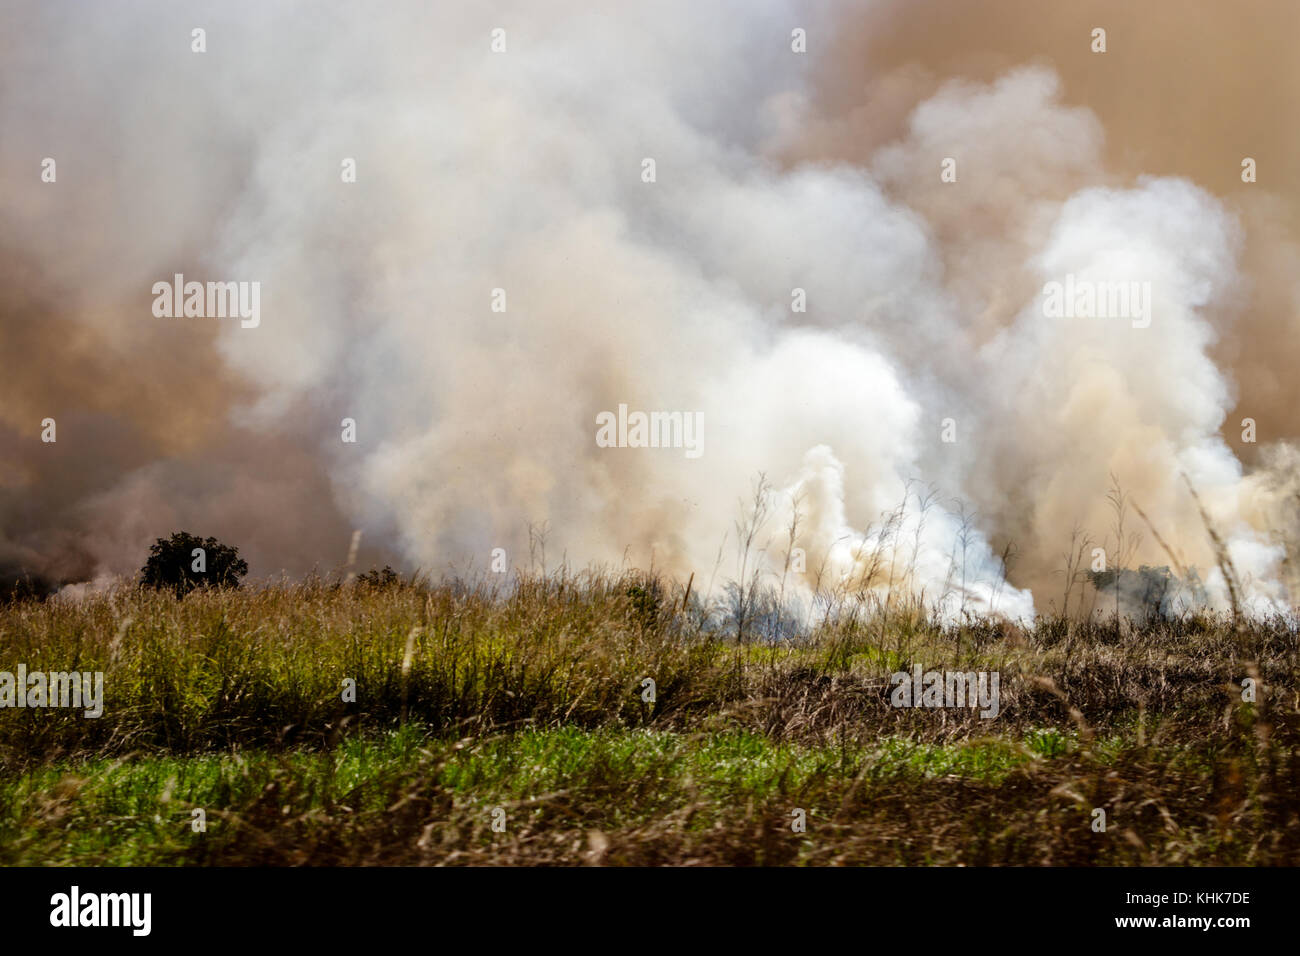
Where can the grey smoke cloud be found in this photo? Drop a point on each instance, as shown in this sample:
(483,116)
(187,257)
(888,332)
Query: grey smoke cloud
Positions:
(521,171)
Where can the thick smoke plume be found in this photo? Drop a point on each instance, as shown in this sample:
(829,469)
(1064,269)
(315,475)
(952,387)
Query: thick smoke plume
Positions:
(921,419)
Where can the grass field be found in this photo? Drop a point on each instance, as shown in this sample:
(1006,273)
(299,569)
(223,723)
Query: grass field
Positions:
(509,726)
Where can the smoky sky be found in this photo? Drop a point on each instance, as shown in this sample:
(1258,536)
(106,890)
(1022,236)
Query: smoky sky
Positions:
(922,377)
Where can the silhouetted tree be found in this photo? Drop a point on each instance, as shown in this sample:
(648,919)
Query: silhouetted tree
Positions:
(185,561)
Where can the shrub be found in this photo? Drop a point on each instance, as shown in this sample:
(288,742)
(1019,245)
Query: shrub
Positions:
(384,580)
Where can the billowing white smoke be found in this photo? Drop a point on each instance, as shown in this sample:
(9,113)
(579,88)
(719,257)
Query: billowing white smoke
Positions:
(522,171)
(1138,400)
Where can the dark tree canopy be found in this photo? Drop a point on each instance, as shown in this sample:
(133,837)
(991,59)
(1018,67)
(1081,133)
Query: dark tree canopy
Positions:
(380,580)
(174,565)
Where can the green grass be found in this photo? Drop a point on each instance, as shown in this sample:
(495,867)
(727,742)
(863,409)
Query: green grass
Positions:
(330,806)
(530,700)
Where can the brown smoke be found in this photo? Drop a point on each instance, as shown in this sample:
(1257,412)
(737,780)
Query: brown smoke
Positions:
(523,170)
(1184,89)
